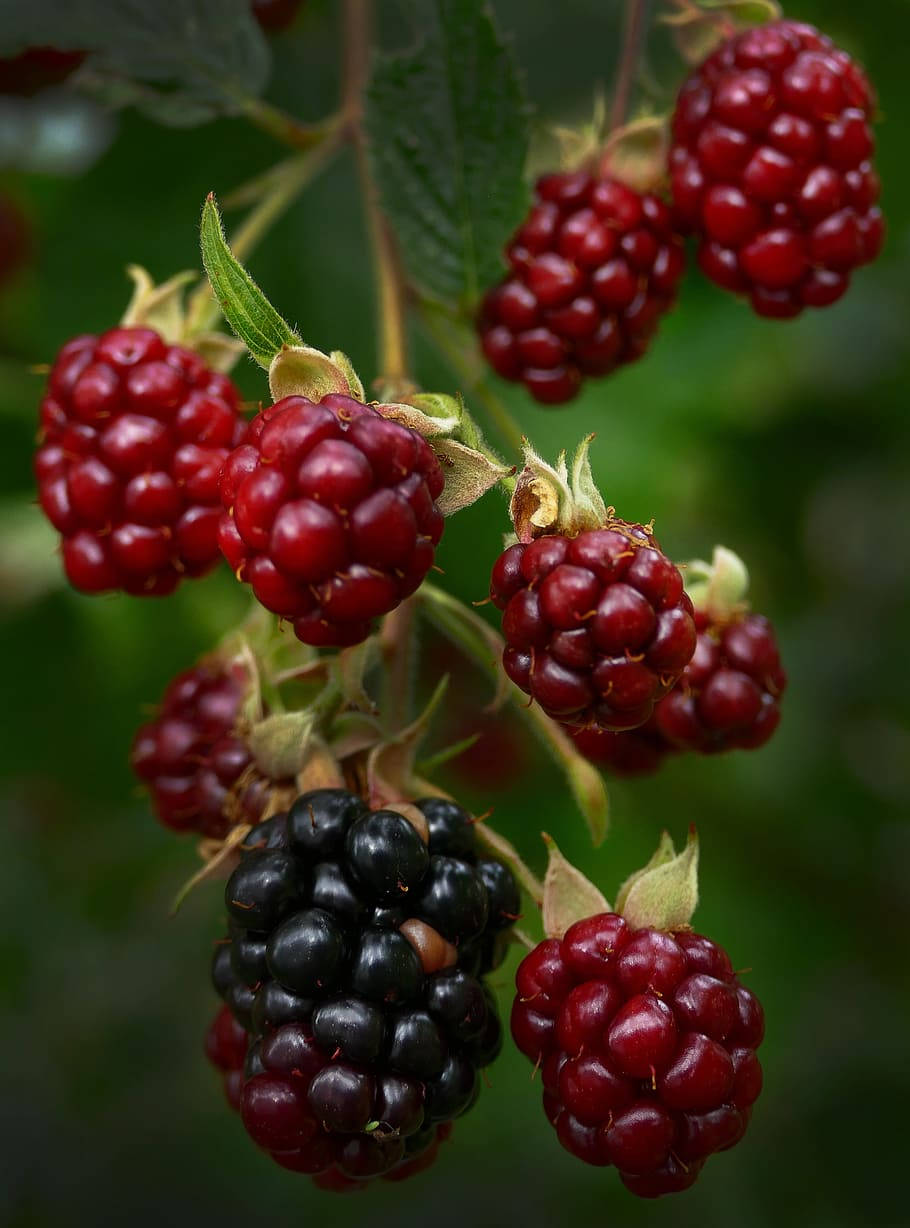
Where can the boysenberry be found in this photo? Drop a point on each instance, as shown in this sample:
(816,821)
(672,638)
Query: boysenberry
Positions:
(597,626)
(330,515)
(346,963)
(592,269)
(134,433)
(771,167)
(646,1041)
(191,757)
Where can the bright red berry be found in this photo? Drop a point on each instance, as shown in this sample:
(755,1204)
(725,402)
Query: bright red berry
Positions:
(646,1042)
(771,167)
(191,756)
(593,268)
(133,436)
(728,695)
(330,515)
(597,626)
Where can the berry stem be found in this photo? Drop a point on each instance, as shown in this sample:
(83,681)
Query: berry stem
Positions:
(634,23)
(284,127)
(483,645)
(398,645)
(390,286)
(450,338)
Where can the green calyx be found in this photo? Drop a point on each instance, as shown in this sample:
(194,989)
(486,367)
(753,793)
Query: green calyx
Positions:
(718,588)
(548,499)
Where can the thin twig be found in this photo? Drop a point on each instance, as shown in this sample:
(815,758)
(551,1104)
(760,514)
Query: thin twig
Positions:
(390,287)
(634,24)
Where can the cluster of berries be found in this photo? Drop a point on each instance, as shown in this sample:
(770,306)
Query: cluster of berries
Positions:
(134,434)
(646,1042)
(353,973)
(770,168)
(193,758)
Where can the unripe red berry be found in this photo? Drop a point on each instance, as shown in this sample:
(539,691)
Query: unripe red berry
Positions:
(133,436)
(597,626)
(771,168)
(646,1042)
(593,268)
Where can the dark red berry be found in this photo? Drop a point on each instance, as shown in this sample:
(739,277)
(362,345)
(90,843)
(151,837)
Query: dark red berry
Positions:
(637,752)
(191,756)
(36,68)
(275,15)
(593,268)
(597,627)
(771,167)
(134,433)
(728,695)
(646,1042)
(330,515)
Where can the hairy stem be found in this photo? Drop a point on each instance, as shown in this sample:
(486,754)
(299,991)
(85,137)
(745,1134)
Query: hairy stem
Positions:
(282,126)
(634,23)
(459,351)
(390,287)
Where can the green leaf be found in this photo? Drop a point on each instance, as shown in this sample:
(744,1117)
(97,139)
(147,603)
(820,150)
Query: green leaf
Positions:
(448,129)
(245,307)
(182,62)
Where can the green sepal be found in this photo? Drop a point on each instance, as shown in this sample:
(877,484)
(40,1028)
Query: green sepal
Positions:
(665,894)
(568,896)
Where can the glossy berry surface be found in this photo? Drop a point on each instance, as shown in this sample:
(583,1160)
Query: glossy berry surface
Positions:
(633,752)
(226,1044)
(728,696)
(191,757)
(133,436)
(646,1042)
(772,169)
(592,269)
(357,945)
(330,515)
(597,626)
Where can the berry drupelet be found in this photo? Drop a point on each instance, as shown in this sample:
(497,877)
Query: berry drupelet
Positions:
(633,752)
(592,270)
(330,515)
(771,168)
(226,1044)
(191,756)
(357,942)
(728,695)
(646,1042)
(597,626)
(133,436)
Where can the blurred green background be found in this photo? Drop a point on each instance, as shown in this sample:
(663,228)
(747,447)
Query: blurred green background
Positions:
(788,442)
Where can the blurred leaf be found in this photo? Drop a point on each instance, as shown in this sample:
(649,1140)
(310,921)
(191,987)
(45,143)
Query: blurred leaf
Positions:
(448,129)
(183,62)
(244,306)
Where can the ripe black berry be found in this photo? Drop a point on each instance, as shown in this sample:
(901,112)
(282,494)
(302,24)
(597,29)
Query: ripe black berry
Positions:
(353,963)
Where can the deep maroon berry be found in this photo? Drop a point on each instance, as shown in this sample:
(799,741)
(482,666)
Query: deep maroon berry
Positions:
(597,627)
(728,695)
(134,433)
(646,1042)
(36,68)
(771,167)
(275,15)
(354,1027)
(192,756)
(593,268)
(635,752)
(330,515)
